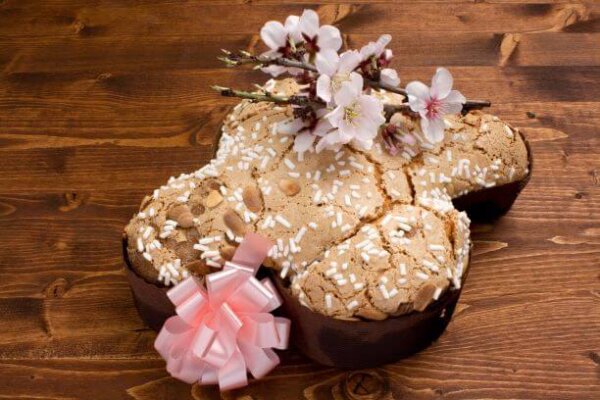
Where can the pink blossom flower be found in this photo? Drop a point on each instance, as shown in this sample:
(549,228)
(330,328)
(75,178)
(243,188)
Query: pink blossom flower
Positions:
(356,118)
(435,102)
(334,70)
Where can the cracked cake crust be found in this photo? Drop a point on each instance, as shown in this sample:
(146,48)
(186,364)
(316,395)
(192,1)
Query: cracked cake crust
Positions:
(359,233)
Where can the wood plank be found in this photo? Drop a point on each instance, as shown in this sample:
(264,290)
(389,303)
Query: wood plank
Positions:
(510,376)
(44,265)
(55,232)
(513,377)
(126,379)
(109,165)
(78,379)
(112,207)
(98,89)
(577,49)
(34,269)
(184,51)
(59,17)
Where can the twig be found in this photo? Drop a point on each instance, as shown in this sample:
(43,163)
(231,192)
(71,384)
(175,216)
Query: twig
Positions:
(267,96)
(390,109)
(387,88)
(243,57)
(475,105)
(301,101)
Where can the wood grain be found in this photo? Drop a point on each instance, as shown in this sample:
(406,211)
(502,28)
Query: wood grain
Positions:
(100,102)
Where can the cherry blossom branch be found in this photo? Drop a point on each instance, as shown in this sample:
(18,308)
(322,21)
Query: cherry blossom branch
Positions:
(244,58)
(469,105)
(267,96)
(391,109)
(304,102)
(301,101)
(476,105)
(387,88)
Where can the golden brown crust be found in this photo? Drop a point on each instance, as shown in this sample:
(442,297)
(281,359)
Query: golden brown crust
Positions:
(315,207)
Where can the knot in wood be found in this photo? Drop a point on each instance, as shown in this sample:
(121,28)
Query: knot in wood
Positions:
(72,200)
(363,385)
(57,288)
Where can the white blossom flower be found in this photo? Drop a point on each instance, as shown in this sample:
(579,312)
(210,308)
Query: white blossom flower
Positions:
(279,37)
(281,40)
(306,132)
(306,138)
(334,70)
(389,76)
(377,49)
(382,57)
(318,38)
(356,118)
(396,140)
(290,127)
(435,102)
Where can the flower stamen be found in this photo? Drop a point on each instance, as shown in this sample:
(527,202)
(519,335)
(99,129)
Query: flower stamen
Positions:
(351,112)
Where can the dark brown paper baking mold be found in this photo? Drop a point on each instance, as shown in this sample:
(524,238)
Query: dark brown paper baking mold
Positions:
(364,344)
(150,299)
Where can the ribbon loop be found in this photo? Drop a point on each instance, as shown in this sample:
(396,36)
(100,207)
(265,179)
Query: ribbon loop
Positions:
(221,332)
(260,361)
(184,290)
(192,309)
(260,330)
(251,297)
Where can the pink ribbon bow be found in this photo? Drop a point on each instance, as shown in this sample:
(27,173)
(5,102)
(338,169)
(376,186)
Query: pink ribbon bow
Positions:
(221,332)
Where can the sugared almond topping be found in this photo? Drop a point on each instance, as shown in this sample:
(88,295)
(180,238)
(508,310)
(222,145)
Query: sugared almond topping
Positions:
(197,267)
(289,187)
(177,210)
(182,214)
(234,222)
(252,198)
(185,219)
(371,313)
(424,296)
(227,252)
(213,199)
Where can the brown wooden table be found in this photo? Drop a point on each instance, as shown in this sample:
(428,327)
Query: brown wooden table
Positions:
(102,102)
